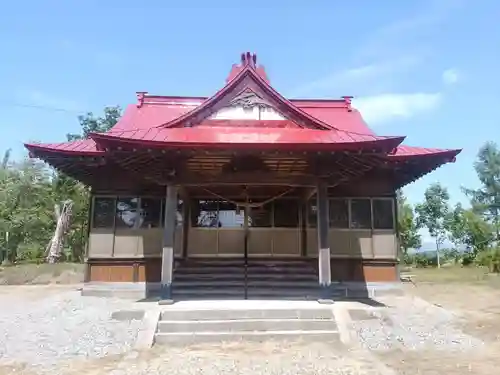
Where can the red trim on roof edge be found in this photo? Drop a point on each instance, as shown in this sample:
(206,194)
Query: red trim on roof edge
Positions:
(86,147)
(404,152)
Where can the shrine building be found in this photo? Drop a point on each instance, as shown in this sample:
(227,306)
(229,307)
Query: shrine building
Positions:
(243,194)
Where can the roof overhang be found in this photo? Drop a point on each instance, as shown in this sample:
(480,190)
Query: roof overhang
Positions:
(248,138)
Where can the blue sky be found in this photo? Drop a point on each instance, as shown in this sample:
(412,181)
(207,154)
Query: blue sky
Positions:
(427,69)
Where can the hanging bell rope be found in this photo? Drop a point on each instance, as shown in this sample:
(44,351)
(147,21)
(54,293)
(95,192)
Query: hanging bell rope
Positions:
(249,204)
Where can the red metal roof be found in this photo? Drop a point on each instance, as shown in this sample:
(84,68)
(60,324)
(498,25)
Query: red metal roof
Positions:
(405,152)
(255,136)
(159,110)
(161,119)
(80,147)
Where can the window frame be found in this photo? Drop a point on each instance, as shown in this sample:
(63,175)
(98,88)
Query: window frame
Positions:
(393,212)
(348,200)
(160,221)
(349,208)
(136,224)
(92,213)
(273,213)
(369,199)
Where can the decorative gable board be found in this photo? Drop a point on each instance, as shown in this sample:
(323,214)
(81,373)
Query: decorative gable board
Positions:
(248,106)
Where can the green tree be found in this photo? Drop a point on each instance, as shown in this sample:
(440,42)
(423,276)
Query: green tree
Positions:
(467,228)
(432,214)
(456,226)
(29,191)
(409,238)
(91,124)
(486,199)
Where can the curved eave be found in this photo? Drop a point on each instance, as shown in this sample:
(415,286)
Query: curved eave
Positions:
(85,147)
(247,70)
(205,138)
(411,167)
(406,153)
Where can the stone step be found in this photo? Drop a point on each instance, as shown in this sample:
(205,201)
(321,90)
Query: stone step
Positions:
(261,290)
(247,325)
(242,314)
(188,338)
(208,276)
(234,269)
(251,283)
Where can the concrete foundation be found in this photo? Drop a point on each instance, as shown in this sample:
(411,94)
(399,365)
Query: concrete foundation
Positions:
(138,291)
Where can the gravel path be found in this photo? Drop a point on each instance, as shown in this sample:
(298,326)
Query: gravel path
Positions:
(43,331)
(411,323)
(269,358)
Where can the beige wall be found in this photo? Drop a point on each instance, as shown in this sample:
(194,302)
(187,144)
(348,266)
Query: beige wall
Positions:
(231,241)
(129,243)
(344,243)
(351,243)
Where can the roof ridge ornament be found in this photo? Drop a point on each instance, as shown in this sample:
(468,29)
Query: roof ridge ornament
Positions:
(250,59)
(348,102)
(141,95)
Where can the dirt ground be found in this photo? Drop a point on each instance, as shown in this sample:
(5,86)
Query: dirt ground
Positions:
(474,296)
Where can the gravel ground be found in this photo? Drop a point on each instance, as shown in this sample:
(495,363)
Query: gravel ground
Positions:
(269,358)
(410,323)
(44,331)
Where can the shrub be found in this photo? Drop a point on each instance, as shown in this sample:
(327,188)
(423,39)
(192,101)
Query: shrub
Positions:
(490,258)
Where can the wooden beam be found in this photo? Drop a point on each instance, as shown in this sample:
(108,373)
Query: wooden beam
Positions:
(251,178)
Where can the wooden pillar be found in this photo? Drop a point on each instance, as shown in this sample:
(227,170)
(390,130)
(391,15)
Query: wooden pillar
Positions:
(323,244)
(185,226)
(167,260)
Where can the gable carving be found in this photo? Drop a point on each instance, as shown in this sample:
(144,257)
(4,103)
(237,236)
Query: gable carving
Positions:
(247,105)
(249,99)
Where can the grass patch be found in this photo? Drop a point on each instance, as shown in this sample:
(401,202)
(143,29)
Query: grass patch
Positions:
(455,274)
(59,273)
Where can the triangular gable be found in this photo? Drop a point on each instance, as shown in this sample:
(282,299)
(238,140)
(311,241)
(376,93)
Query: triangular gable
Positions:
(248,105)
(248,85)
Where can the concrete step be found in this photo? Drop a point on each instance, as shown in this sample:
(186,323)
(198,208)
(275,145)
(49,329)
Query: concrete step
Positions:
(241,270)
(247,325)
(210,270)
(208,276)
(187,338)
(280,284)
(243,314)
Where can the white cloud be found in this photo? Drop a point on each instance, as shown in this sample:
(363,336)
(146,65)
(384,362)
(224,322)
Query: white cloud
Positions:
(382,108)
(450,76)
(357,79)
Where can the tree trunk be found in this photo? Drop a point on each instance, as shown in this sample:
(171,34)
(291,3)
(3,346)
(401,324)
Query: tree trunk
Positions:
(437,253)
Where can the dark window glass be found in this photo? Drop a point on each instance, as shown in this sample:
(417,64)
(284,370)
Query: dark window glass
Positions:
(286,213)
(150,212)
(361,215)
(261,217)
(103,212)
(383,214)
(127,213)
(179,217)
(204,214)
(312,214)
(339,213)
(231,216)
